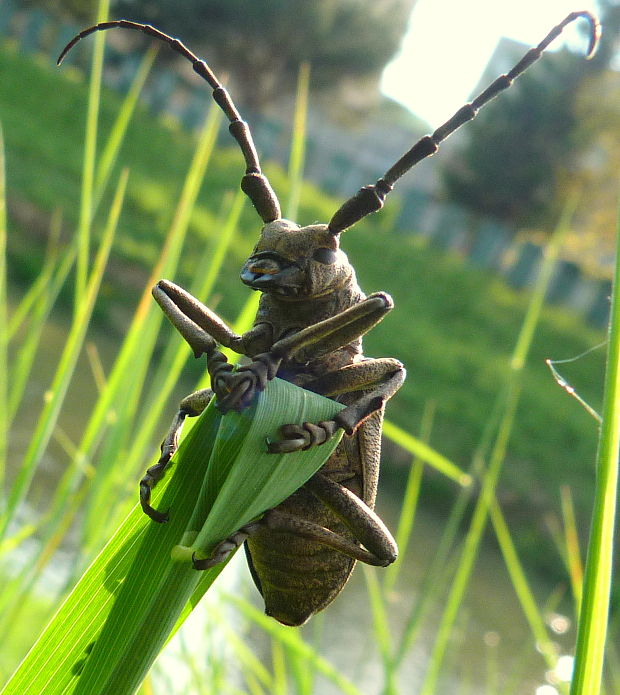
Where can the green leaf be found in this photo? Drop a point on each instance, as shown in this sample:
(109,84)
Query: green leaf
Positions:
(112,626)
(235,494)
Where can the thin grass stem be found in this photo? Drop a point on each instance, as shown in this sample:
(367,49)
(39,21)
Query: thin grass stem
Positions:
(90,154)
(592,627)
(4,315)
(66,365)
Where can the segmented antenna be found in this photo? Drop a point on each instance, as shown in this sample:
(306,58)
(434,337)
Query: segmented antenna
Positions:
(254,183)
(370,198)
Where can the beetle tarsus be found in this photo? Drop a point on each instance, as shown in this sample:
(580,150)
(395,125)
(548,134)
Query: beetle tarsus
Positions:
(236,390)
(191,406)
(223,549)
(146,485)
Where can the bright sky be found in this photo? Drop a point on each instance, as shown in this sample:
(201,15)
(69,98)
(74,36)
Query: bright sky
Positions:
(450,41)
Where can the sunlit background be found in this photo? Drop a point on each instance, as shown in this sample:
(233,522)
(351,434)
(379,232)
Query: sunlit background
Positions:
(448,44)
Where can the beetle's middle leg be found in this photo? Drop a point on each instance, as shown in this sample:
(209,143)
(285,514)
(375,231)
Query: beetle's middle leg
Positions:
(376,380)
(190,406)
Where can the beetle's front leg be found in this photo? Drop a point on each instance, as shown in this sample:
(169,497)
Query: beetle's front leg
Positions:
(247,380)
(309,343)
(203,330)
(185,312)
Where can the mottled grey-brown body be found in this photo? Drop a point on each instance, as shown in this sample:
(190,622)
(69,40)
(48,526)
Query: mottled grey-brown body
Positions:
(298,577)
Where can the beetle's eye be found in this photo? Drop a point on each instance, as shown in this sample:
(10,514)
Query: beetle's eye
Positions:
(325,256)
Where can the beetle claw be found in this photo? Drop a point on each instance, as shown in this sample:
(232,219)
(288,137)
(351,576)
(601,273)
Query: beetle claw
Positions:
(285,446)
(155,514)
(236,391)
(300,437)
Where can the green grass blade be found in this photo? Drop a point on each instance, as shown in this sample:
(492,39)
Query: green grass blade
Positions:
(440,571)
(525,595)
(298,142)
(381,626)
(112,626)
(4,357)
(410,502)
(119,129)
(88,166)
(25,356)
(278,661)
(66,366)
(471,545)
(23,310)
(244,654)
(592,628)
(425,453)
(292,639)
(572,551)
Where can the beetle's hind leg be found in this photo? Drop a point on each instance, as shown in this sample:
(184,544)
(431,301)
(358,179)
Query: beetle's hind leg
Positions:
(379,547)
(191,406)
(223,549)
(372,544)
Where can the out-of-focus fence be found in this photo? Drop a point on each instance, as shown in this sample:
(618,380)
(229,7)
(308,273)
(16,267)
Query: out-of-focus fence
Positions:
(339,161)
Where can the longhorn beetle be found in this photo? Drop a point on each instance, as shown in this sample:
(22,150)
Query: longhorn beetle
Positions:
(308,329)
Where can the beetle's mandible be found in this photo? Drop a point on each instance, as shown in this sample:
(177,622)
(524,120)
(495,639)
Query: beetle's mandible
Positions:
(308,330)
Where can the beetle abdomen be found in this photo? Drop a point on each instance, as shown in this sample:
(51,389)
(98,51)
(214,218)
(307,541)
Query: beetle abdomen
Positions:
(298,577)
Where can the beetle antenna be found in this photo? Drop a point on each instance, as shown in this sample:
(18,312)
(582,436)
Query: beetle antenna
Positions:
(370,198)
(254,183)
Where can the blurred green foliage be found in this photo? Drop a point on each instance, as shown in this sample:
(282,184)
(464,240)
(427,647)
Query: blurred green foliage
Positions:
(262,43)
(453,327)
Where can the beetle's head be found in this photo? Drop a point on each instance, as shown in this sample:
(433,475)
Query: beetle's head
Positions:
(296,262)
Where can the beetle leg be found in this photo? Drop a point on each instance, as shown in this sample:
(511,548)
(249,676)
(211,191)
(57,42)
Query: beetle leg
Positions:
(203,330)
(305,436)
(361,520)
(180,306)
(354,414)
(309,343)
(247,380)
(191,406)
(223,549)
(379,547)
(275,520)
(378,380)
(327,336)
